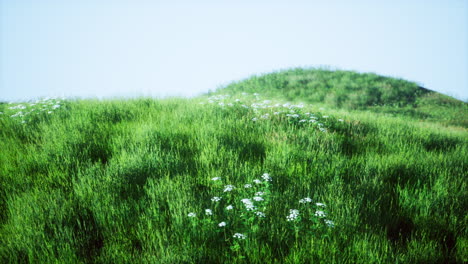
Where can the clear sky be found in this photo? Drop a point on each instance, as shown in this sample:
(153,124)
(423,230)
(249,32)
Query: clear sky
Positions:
(184,48)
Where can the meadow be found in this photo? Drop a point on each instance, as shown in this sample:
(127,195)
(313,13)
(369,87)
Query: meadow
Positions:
(298,166)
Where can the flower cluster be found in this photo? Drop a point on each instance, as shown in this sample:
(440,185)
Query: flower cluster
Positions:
(216,199)
(267,110)
(319,211)
(266,177)
(24,111)
(305,200)
(227,207)
(229,188)
(243,211)
(239,236)
(293,215)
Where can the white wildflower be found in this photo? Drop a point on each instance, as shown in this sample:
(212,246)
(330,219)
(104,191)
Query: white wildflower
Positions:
(216,178)
(266,177)
(320,205)
(258,198)
(260,214)
(254,119)
(248,205)
(257,181)
(229,188)
(293,214)
(302,121)
(330,223)
(341,120)
(239,235)
(320,213)
(246,201)
(229,207)
(248,186)
(208,212)
(305,200)
(216,199)
(222,224)
(191,215)
(259,193)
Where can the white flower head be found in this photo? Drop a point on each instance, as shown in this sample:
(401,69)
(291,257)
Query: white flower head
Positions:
(320,205)
(248,186)
(320,213)
(259,193)
(216,199)
(222,224)
(257,181)
(260,214)
(191,215)
(254,119)
(246,201)
(229,188)
(293,214)
(208,212)
(216,178)
(330,223)
(239,236)
(266,177)
(258,198)
(248,204)
(305,200)
(229,207)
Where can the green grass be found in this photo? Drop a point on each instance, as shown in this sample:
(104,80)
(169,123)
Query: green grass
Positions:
(114,181)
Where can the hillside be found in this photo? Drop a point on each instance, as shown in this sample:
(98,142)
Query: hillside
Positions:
(247,174)
(356,91)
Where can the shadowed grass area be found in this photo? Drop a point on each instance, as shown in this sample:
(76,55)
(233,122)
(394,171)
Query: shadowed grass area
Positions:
(130,181)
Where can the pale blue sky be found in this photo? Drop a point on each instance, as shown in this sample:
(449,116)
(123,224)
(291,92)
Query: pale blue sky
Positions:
(160,48)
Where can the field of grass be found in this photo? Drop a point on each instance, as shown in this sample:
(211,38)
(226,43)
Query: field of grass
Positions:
(239,177)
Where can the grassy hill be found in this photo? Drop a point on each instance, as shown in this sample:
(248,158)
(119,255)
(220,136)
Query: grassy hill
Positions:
(239,177)
(357,91)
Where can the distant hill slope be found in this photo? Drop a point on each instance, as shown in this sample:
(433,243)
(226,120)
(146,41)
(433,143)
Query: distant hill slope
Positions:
(356,91)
